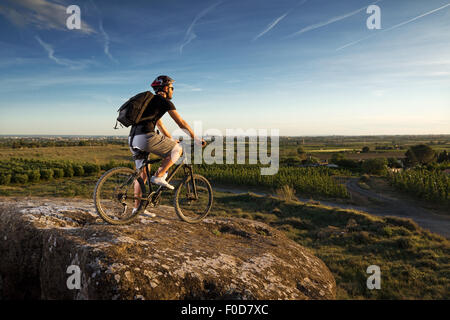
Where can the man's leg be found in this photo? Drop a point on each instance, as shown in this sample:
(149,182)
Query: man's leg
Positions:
(137,188)
(170,160)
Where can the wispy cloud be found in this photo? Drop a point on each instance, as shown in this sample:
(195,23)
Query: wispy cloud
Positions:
(329,21)
(190,35)
(51,52)
(276,21)
(39,13)
(106,42)
(103,34)
(63,62)
(394,27)
(270,26)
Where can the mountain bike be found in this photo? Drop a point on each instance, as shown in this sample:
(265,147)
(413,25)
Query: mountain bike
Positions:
(115,198)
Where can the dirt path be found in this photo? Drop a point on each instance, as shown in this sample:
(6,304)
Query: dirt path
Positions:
(377,204)
(392,205)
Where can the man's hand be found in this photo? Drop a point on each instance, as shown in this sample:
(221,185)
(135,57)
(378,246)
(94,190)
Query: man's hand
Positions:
(201,142)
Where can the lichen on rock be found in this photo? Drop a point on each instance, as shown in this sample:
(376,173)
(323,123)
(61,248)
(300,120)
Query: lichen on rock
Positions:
(158,258)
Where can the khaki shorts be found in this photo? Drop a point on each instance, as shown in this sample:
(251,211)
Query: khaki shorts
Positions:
(153,143)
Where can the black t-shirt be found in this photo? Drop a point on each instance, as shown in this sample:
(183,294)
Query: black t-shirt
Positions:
(157,107)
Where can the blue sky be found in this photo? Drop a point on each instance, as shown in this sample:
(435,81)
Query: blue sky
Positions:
(298,66)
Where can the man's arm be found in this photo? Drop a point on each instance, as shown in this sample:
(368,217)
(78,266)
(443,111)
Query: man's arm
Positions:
(163,129)
(183,124)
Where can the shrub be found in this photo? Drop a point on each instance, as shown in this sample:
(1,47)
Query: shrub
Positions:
(91,169)
(78,170)
(374,166)
(68,171)
(347,164)
(111,164)
(5,179)
(34,175)
(20,178)
(46,174)
(58,173)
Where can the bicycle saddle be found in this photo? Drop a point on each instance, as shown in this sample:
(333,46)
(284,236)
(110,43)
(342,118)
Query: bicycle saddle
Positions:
(140,154)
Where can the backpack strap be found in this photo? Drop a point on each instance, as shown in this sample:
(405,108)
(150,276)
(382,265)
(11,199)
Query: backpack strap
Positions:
(149,96)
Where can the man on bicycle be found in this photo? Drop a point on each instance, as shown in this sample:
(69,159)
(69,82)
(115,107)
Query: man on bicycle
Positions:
(146,139)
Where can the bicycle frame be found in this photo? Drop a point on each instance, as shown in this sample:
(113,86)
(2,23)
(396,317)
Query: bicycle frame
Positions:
(188,171)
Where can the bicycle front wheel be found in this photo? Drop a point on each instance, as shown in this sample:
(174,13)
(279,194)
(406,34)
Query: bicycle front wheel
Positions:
(114,196)
(193,199)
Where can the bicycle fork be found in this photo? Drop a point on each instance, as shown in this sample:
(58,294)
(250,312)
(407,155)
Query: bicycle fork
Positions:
(188,185)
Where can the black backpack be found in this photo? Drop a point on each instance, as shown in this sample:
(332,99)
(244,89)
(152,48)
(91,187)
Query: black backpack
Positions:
(130,113)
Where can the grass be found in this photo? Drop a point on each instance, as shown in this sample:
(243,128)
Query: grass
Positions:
(63,187)
(286,193)
(96,154)
(414,263)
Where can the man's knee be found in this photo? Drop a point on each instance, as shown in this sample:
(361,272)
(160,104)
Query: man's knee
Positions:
(178,149)
(176,152)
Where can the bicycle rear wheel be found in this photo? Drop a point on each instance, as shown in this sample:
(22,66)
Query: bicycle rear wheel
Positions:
(188,207)
(114,196)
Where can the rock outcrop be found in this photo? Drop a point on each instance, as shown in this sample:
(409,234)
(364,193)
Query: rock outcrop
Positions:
(153,258)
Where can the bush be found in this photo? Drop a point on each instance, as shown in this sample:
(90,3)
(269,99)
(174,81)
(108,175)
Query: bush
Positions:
(68,171)
(20,178)
(111,164)
(78,170)
(91,169)
(46,174)
(58,173)
(34,175)
(5,179)
(374,166)
(347,164)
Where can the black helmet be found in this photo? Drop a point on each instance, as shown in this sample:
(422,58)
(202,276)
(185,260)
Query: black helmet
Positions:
(161,81)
